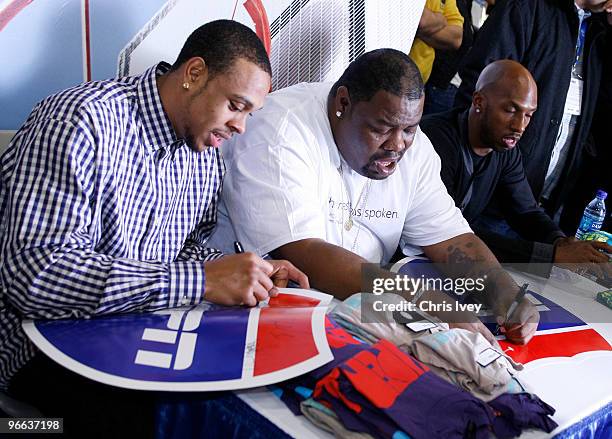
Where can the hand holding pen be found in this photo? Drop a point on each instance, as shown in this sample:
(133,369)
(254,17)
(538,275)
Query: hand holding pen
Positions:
(246,279)
(520,320)
(517,300)
(282,272)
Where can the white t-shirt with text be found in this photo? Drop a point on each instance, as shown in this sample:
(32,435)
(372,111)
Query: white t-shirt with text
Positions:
(286,181)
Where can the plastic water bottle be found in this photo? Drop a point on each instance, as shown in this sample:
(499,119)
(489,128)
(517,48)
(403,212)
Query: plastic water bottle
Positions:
(593,216)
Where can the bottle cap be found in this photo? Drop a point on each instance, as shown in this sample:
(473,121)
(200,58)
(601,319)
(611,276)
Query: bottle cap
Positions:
(601,194)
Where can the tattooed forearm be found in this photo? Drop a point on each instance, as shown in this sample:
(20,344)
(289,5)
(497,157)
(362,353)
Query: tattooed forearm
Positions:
(467,256)
(469,260)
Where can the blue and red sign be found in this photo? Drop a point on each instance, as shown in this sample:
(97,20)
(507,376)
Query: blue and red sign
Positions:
(198,348)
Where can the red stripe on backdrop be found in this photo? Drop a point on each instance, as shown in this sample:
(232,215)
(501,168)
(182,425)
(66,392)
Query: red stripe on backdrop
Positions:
(87,41)
(258,14)
(11,10)
(284,334)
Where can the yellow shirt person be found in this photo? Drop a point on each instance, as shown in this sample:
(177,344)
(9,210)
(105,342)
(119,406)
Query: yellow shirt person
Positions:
(441,27)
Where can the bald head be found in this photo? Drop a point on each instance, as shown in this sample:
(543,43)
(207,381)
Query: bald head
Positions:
(504,74)
(505,98)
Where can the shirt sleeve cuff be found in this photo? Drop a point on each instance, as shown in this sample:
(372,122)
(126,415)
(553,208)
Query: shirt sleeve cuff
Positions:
(554,235)
(187,283)
(194,252)
(541,261)
(542,253)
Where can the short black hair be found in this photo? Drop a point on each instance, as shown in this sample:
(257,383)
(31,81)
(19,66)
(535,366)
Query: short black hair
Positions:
(381,69)
(220,43)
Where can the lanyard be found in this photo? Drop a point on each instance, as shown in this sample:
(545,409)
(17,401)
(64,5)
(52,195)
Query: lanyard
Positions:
(579,58)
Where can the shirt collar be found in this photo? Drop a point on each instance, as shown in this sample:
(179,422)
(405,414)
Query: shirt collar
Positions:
(157,131)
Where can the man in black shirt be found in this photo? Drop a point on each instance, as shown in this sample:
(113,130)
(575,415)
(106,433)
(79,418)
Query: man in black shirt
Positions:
(566,45)
(479,159)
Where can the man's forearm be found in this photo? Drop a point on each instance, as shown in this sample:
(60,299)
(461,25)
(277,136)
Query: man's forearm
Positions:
(80,283)
(335,270)
(329,268)
(431,22)
(447,38)
(467,256)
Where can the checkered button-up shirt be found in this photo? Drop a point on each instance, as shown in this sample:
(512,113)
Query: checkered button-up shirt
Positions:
(103,210)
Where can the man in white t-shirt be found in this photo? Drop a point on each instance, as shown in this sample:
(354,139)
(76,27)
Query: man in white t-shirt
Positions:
(334,176)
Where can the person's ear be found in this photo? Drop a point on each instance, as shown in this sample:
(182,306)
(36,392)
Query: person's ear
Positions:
(195,72)
(478,101)
(342,102)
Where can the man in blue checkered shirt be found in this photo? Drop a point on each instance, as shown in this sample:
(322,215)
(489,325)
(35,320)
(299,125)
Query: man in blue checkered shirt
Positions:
(109,192)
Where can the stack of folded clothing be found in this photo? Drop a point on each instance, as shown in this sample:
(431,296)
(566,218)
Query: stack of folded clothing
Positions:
(454,356)
(358,316)
(451,354)
(379,391)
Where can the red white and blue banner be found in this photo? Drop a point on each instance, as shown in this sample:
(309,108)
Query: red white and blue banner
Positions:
(560,333)
(199,348)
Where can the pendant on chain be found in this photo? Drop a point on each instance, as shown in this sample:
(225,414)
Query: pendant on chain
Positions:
(348,225)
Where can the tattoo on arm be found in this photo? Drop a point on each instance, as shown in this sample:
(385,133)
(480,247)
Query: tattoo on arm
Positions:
(467,261)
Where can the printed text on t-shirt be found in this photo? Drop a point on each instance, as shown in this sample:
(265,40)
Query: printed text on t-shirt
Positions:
(362,212)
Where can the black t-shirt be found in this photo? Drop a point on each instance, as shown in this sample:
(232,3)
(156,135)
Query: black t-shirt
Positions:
(498,173)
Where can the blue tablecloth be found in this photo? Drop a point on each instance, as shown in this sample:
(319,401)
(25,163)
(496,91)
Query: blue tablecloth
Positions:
(199,415)
(597,425)
(226,416)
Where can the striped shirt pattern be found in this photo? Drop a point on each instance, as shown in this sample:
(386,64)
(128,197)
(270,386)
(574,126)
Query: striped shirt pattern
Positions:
(103,210)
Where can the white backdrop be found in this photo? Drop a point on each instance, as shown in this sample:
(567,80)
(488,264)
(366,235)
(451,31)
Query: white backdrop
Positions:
(79,40)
